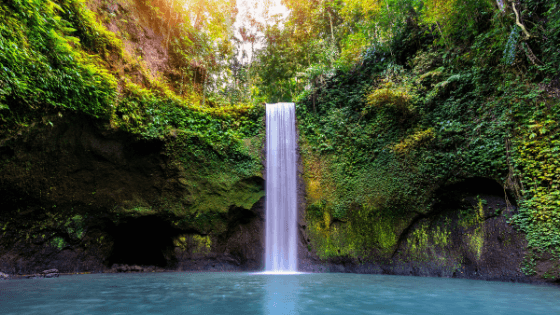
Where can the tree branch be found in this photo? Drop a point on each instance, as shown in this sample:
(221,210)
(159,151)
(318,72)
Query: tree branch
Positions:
(518,21)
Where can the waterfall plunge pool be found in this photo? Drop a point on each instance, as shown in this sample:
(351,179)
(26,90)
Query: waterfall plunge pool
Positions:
(254,293)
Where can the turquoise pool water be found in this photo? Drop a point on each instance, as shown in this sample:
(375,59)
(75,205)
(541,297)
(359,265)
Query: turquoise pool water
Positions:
(245,293)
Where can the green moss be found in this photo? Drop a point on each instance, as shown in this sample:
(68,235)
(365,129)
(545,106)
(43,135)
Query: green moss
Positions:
(441,236)
(58,58)
(215,180)
(418,242)
(332,241)
(363,234)
(223,202)
(58,242)
(181,242)
(140,211)
(75,226)
(472,222)
(198,244)
(374,231)
(392,131)
(370,203)
(476,241)
(203,244)
(425,240)
(474,216)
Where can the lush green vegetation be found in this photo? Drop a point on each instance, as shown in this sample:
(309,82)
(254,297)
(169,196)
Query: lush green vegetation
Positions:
(396,98)
(56,57)
(59,60)
(42,70)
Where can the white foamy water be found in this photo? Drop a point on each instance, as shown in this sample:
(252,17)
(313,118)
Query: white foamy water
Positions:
(281,198)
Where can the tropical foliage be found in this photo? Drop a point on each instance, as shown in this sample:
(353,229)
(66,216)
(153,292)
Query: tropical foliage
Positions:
(396,98)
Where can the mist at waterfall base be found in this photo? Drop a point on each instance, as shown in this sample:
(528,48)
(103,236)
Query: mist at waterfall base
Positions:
(255,294)
(281,197)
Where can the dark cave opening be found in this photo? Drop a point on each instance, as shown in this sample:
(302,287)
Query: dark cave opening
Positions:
(145,147)
(145,241)
(455,195)
(480,185)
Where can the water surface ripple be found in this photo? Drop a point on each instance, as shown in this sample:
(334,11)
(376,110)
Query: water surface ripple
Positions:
(245,293)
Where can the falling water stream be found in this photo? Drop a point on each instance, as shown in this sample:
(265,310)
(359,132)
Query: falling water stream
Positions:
(281,198)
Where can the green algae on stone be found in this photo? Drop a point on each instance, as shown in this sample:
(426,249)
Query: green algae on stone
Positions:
(426,240)
(197,244)
(364,233)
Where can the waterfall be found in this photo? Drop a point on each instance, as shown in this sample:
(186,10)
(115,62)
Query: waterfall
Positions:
(281,198)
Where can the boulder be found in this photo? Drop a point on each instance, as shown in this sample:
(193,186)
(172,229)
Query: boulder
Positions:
(119,268)
(127,268)
(50,273)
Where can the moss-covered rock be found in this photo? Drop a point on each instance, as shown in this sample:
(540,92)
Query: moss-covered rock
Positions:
(71,189)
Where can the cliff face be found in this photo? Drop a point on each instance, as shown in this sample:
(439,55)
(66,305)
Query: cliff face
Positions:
(412,163)
(466,235)
(110,154)
(80,196)
(424,161)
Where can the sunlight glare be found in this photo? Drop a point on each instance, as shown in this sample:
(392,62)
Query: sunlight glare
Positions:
(265,12)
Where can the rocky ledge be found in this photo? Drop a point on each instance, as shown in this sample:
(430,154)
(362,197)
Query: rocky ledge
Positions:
(116,268)
(49,273)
